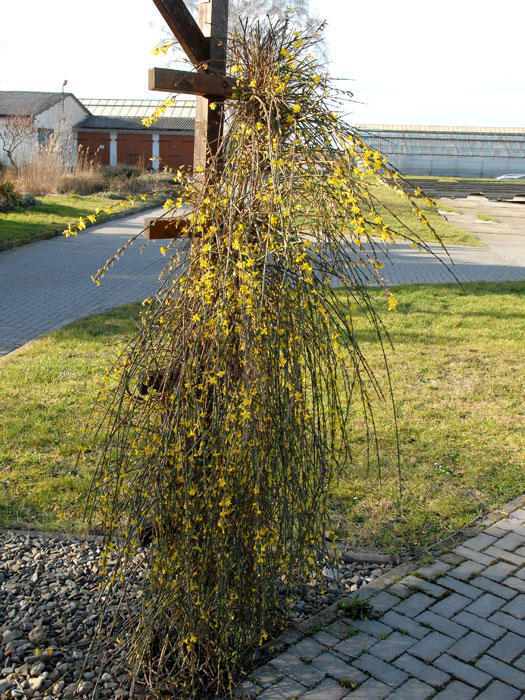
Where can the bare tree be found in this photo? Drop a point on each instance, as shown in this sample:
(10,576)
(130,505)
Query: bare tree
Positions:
(15,130)
(243,10)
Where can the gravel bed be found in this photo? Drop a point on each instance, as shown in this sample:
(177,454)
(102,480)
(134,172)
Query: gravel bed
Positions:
(50,610)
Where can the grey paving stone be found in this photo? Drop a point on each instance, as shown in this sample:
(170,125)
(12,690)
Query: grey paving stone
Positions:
(521,572)
(266,675)
(290,665)
(394,646)
(502,671)
(405,624)
(441,624)
(449,606)
(466,570)
(414,604)
(509,647)
(326,690)
(486,605)
(492,587)
(479,624)
(284,690)
(247,688)
(384,601)
(326,639)
(511,557)
(434,570)
(470,647)
(496,531)
(499,691)
(413,689)
(429,674)
(432,646)
(337,668)
(520,663)
(499,571)
(462,671)
(480,542)
(306,649)
(513,524)
(399,590)
(509,622)
(424,586)
(460,587)
(375,628)
(451,558)
(516,607)
(510,542)
(353,646)
(517,584)
(473,555)
(340,629)
(371,690)
(456,691)
(521,551)
(519,514)
(381,671)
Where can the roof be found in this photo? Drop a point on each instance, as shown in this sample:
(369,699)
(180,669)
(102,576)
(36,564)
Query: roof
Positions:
(14,102)
(443,129)
(104,107)
(135,124)
(458,141)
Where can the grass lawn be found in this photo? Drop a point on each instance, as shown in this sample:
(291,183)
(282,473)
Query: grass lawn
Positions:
(458,373)
(459,382)
(447,232)
(50,218)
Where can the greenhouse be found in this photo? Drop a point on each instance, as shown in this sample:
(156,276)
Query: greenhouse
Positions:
(449,151)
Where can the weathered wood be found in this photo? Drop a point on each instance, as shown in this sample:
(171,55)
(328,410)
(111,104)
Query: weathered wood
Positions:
(186,30)
(172,227)
(204,84)
(213,20)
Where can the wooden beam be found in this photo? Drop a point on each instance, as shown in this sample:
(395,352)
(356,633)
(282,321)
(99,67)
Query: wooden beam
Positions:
(213,20)
(186,30)
(205,84)
(168,227)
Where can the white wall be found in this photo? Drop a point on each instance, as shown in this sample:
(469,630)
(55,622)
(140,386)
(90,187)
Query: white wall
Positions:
(61,119)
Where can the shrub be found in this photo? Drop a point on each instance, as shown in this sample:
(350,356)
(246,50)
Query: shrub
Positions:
(226,417)
(9,197)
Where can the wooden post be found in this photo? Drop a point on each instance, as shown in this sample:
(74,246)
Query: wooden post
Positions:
(213,21)
(205,46)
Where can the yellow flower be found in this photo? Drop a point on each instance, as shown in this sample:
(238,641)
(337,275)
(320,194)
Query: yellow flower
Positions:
(392,304)
(296,108)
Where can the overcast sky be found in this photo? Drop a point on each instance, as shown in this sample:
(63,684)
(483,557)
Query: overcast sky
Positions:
(453,62)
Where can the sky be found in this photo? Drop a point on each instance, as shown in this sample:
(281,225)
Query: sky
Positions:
(452,62)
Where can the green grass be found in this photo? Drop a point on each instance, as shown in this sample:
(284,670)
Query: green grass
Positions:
(447,232)
(485,217)
(49,389)
(50,218)
(459,383)
(457,370)
(445,207)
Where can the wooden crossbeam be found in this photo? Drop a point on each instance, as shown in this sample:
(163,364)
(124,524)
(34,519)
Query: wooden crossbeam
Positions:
(204,84)
(168,227)
(186,30)
(206,48)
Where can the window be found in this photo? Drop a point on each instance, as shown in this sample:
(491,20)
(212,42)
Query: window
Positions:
(43,136)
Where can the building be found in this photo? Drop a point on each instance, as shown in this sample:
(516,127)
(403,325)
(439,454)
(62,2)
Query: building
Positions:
(37,116)
(108,130)
(116,134)
(449,151)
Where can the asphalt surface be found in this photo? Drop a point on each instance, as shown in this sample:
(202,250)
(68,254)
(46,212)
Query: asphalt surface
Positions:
(47,284)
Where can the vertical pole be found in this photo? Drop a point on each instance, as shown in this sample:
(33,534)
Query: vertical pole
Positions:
(213,21)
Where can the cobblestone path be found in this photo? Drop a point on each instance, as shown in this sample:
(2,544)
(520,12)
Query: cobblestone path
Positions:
(452,630)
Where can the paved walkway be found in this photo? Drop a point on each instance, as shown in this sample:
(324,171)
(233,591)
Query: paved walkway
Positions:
(453,630)
(47,284)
